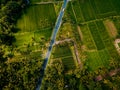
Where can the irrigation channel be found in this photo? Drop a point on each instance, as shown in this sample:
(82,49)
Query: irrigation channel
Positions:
(55,30)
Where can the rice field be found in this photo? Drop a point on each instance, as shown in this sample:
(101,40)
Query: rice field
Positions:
(35,27)
(37,17)
(91,15)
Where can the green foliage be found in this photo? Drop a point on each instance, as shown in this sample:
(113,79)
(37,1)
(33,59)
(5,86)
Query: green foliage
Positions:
(54,79)
(10,12)
(22,74)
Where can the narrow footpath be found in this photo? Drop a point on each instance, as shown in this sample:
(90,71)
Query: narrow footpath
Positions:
(55,30)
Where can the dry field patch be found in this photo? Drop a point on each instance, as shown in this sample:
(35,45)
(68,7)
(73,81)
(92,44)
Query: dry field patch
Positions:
(110,28)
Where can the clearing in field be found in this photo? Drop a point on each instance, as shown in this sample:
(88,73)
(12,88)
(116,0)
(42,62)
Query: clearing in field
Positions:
(111,28)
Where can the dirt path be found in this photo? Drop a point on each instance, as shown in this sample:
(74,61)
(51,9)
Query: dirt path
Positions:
(77,54)
(62,41)
(47,2)
(80,33)
(110,28)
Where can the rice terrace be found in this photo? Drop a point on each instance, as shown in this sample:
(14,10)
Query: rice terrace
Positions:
(59,45)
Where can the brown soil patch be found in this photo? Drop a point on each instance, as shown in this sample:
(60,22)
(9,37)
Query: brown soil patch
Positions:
(111,28)
(80,33)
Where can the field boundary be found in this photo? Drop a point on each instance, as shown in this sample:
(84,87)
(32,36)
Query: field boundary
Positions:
(37,3)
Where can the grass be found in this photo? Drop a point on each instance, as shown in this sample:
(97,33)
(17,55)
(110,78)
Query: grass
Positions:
(37,17)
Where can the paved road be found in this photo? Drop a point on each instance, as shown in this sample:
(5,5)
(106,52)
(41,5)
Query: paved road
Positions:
(56,28)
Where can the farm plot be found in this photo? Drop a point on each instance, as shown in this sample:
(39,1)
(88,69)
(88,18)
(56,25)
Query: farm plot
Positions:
(37,17)
(96,36)
(77,11)
(64,53)
(61,51)
(107,40)
(87,37)
(103,8)
(87,10)
(103,50)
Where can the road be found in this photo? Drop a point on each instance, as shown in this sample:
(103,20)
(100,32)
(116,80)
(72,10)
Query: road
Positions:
(55,30)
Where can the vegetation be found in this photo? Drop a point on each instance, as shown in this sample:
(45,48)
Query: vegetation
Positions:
(64,53)
(83,58)
(19,68)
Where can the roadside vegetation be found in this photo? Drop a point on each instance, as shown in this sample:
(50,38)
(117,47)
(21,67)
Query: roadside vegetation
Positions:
(23,38)
(84,56)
